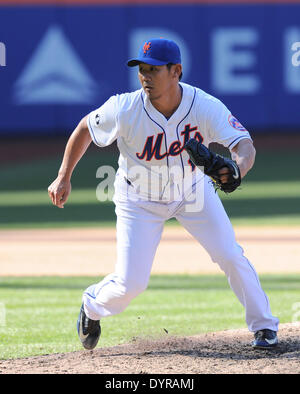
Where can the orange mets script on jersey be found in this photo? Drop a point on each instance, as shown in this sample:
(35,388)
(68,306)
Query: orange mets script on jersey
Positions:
(146,47)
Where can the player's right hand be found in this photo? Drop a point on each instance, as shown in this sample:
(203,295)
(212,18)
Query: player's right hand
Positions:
(59,191)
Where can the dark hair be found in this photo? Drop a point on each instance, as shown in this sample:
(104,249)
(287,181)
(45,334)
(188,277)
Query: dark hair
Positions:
(169,65)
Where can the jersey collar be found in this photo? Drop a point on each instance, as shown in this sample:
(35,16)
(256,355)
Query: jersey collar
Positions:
(181,111)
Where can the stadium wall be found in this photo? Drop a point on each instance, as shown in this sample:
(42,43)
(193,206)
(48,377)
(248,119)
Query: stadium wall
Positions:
(61,59)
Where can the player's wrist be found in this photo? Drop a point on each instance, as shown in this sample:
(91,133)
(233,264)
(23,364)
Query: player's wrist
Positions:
(244,166)
(64,175)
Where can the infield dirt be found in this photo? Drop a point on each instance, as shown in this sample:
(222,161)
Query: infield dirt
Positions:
(92,252)
(226,352)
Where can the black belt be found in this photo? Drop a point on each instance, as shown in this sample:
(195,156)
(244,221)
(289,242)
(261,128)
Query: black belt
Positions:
(128,181)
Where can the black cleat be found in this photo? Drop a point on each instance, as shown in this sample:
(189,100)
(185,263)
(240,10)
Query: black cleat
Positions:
(265,339)
(88,330)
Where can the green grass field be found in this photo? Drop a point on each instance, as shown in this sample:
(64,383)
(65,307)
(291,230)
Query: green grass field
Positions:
(38,315)
(269,194)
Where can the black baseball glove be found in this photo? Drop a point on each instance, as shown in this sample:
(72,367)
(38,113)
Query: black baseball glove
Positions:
(212,163)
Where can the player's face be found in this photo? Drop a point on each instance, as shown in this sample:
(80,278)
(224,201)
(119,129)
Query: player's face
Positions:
(156,80)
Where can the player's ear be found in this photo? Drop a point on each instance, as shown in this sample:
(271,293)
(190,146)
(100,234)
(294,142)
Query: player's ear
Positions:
(177,70)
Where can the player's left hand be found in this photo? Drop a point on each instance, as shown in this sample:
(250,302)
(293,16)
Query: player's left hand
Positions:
(224,172)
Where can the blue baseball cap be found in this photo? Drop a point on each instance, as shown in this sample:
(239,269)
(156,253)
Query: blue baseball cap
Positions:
(157,52)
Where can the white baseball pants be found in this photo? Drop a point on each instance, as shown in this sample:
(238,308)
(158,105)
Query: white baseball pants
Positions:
(139,229)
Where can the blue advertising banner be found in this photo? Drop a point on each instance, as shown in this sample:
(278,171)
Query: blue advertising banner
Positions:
(59,63)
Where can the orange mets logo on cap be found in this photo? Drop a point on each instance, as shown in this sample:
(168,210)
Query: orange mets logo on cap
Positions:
(146,46)
(235,123)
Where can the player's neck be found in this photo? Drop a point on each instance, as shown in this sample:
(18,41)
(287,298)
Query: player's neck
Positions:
(168,103)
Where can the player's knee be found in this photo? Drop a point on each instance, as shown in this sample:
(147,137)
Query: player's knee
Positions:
(134,288)
(228,257)
(117,295)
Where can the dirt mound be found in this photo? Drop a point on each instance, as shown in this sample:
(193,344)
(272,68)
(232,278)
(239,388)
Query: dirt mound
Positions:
(226,352)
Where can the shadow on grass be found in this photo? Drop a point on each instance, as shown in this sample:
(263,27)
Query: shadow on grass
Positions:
(266,207)
(97,213)
(38,174)
(39,214)
(47,283)
(157,282)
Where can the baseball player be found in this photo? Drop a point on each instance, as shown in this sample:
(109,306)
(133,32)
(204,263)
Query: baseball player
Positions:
(163,132)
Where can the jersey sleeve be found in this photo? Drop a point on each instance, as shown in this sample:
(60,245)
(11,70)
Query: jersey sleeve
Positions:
(103,123)
(223,127)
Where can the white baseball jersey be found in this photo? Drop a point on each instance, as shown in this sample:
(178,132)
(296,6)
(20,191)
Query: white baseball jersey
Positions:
(154,145)
(149,143)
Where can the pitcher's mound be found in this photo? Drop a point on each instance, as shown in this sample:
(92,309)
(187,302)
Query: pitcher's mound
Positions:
(213,353)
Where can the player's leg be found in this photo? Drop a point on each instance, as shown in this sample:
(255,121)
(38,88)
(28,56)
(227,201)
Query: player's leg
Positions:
(138,235)
(212,228)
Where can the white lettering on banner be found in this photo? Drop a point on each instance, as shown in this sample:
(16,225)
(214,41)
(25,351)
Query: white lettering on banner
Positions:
(296,56)
(55,74)
(2,55)
(227,60)
(291,73)
(138,36)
